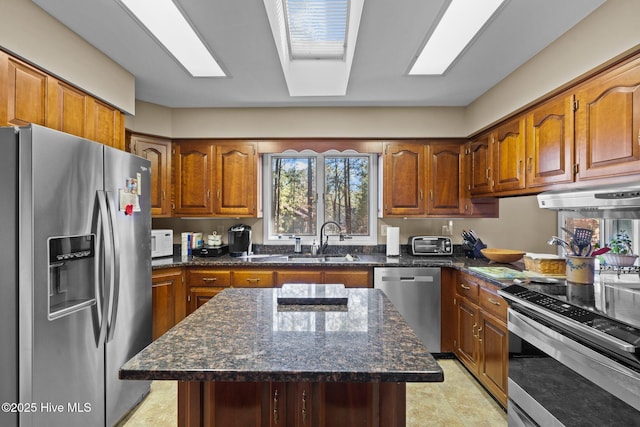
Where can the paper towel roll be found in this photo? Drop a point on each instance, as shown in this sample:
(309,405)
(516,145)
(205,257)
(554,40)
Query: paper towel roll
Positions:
(393,241)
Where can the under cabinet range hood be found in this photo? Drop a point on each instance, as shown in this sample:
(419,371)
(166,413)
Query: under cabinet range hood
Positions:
(607,201)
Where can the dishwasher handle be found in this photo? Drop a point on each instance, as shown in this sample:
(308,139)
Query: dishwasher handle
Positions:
(429,279)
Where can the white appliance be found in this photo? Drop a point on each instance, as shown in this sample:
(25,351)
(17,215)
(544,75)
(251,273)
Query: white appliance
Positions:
(75,288)
(161,243)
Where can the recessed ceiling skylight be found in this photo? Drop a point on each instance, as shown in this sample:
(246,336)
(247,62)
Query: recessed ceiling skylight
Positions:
(460,23)
(316,29)
(322,30)
(169,26)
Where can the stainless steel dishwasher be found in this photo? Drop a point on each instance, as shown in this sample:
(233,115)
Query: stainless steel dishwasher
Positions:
(416,294)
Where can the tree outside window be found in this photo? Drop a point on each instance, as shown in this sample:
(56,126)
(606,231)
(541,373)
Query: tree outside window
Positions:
(295,206)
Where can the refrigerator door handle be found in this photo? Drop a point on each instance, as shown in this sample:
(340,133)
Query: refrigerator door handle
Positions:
(103,232)
(115,259)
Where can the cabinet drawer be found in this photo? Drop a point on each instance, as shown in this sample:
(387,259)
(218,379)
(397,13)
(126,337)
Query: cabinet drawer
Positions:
(468,287)
(207,277)
(253,278)
(298,276)
(493,303)
(351,278)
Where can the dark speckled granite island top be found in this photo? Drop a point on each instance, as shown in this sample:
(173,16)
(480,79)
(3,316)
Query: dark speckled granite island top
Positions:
(245,335)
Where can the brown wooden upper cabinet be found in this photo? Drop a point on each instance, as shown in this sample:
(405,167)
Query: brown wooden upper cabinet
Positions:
(194,178)
(30,95)
(608,124)
(158,152)
(236,179)
(509,155)
(446,178)
(24,93)
(404,178)
(549,138)
(216,178)
(480,164)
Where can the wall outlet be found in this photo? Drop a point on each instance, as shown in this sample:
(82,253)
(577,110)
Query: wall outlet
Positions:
(383,229)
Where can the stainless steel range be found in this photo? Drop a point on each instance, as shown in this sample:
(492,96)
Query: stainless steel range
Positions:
(574,352)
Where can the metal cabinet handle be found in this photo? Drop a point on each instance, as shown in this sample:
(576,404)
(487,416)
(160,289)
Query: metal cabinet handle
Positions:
(218,194)
(529,168)
(253,280)
(304,407)
(276,415)
(208,194)
(494,302)
(465,287)
(473,330)
(479,330)
(421,195)
(209,279)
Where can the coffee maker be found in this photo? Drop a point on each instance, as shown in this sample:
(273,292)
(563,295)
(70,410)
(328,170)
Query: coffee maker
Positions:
(240,240)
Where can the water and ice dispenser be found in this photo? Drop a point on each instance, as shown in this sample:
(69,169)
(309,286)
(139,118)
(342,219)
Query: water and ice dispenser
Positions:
(72,277)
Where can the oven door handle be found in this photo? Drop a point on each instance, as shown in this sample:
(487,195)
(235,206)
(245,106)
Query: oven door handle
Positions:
(617,379)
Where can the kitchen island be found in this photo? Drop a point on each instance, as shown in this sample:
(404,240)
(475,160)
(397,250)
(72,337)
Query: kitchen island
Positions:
(243,359)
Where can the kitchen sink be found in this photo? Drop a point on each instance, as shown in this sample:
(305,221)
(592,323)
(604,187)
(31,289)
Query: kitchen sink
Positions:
(312,259)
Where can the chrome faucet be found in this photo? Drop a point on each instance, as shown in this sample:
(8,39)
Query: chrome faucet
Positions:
(324,240)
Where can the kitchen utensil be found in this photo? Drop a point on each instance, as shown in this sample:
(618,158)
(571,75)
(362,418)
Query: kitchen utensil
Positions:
(555,240)
(600,251)
(582,239)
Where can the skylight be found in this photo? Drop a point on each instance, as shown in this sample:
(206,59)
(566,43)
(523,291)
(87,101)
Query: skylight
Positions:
(322,30)
(316,29)
(169,26)
(460,23)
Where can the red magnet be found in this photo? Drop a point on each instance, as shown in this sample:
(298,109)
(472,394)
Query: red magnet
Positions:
(128,209)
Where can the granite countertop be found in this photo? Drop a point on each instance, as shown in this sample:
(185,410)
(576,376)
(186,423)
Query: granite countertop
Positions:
(244,335)
(458,262)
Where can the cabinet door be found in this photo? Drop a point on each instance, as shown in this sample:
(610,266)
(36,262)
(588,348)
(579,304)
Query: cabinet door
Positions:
(550,143)
(509,155)
(158,152)
(608,124)
(199,295)
(466,345)
(68,109)
(167,300)
(236,179)
(480,164)
(236,404)
(446,178)
(194,178)
(404,178)
(24,93)
(493,338)
(105,124)
(347,404)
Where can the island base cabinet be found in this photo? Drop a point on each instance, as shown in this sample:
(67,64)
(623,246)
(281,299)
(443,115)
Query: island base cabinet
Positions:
(273,404)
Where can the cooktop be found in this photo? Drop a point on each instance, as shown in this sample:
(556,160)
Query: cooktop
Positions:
(606,314)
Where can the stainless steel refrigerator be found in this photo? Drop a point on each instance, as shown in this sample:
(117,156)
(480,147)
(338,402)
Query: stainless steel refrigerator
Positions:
(75,274)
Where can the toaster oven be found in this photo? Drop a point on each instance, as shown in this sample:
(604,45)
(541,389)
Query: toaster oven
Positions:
(431,245)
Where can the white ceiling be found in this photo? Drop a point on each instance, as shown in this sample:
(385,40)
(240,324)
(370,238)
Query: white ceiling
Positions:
(390,34)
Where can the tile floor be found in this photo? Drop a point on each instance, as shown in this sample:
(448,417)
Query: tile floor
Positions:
(459,401)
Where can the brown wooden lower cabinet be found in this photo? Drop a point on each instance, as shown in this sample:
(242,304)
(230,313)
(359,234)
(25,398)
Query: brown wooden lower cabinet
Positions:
(481,338)
(167,298)
(296,404)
